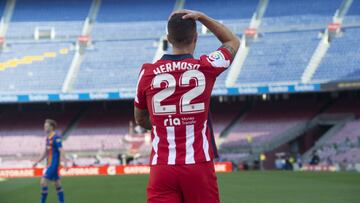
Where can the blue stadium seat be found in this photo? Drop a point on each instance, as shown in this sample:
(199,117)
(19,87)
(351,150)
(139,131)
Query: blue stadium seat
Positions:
(353,15)
(342,59)
(224,9)
(128,30)
(2,7)
(40,73)
(354,9)
(277,8)
(298,14)
(54,10)
(131,11)
(114,64)
(65,16)
(278,57)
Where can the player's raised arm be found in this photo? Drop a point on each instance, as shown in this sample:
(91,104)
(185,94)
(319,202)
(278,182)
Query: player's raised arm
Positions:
(228,39)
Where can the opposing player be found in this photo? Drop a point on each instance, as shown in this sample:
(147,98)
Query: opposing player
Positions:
(53,152)
(172,100)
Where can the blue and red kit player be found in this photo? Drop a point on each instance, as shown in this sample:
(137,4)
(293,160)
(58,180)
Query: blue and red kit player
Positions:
(172,100)
(53,154)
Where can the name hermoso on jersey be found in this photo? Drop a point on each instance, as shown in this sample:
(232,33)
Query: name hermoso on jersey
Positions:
(175,66)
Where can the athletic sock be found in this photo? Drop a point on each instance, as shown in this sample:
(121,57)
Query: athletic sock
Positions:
(44,193)
(60,194)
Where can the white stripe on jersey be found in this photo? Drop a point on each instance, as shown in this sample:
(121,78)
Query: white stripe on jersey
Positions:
(205,142)
(189,159)
(155,143)
(137,85)
(172,145)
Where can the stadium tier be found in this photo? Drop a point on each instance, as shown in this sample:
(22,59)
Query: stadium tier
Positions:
(348,134)
(341,61)
(121,40)
(241,9)
(265,122)
(34,67)
(289,33)
(298,15)
(2,6)
(21,133)
(300,7)
(126,10)
(343,146)
(100,130)
(66,17)
(114,65)
(223,115)
(278,57)
(350,106)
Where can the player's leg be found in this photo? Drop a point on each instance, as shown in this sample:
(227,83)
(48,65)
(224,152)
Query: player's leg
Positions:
(199,183)
(59,189)
(163,186)
(44,189)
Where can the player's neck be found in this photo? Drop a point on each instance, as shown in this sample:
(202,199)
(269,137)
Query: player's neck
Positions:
(184,50)
(50,133)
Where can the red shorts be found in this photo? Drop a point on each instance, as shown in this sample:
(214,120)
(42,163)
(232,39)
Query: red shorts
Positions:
(193,183)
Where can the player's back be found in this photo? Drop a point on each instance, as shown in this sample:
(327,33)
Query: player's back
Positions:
(176,91)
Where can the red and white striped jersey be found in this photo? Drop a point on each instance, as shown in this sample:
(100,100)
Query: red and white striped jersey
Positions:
(176,91)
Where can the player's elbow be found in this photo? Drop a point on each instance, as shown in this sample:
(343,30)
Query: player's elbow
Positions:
(236,43)
(141,121)
(141,117)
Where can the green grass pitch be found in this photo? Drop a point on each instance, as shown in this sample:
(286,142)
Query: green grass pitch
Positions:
(249,187)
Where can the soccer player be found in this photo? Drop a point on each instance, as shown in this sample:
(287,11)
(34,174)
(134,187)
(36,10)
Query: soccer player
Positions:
(53,152)
(172,100)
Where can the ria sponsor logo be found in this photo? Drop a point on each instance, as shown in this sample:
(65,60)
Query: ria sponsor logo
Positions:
(171,121)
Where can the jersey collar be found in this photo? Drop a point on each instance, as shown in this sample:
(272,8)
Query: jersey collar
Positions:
(51,135)
(176,57)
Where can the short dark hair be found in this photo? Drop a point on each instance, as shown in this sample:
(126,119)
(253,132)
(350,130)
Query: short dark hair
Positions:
(52,123)
(181,31)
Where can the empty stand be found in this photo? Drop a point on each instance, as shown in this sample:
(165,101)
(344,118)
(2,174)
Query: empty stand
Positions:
(265,122)
(224,9)
(34,67)
(100,130)
(278,57)
(114,64)
(127,10)
(21,133)
(341,60)
(223,114)
(65,16)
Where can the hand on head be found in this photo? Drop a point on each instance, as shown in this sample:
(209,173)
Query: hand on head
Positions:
(189,14)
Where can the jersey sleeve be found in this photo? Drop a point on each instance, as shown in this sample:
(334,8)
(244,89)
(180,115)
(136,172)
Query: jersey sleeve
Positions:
(58,142)
(140,97)
(218,61)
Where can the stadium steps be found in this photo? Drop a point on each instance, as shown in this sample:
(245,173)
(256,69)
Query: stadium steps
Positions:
(337,121)
(287,136)
(235,121)
(81,47)
(74,122)
(162,43)
(315,60)
(5,19)
(29,59)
